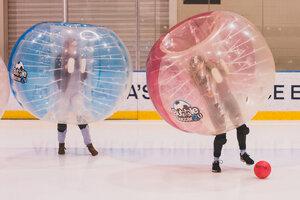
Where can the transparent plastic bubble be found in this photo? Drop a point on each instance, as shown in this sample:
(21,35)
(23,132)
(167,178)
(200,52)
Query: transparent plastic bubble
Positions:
(4,86)
(70,73)
(210,73)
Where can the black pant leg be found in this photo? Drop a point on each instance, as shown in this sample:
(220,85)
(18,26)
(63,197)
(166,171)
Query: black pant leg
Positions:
(219,141)
(61,127)
(242,132)
(82,126)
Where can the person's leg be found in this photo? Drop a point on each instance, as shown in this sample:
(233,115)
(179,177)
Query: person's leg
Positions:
(62,108)
(242,132)
(215,113)
(219,141)
(78,109)
(85,131)
(61,136)
(87,138)
(232,107)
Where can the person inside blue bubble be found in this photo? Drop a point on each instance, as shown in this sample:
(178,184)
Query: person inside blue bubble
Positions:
(70,73)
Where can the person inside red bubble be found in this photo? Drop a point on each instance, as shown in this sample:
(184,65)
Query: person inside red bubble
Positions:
(210,79)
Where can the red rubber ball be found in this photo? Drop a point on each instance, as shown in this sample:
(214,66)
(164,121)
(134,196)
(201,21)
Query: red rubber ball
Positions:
(262,169)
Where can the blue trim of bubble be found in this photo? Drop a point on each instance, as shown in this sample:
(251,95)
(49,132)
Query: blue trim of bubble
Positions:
(70,24)
(30,29)
(11,58)
(102,102)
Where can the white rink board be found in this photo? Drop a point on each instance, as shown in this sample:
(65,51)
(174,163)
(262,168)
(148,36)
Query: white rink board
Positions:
(285,97)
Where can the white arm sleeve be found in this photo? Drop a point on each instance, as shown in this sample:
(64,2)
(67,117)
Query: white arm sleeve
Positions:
(225,66)
(82,65)
(216,75)
(71,65)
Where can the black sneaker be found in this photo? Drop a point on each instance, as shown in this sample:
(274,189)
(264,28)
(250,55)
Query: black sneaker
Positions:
(246,158)
(216,167)
(61,149)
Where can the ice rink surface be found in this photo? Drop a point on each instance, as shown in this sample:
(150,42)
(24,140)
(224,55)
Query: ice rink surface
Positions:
(141,160)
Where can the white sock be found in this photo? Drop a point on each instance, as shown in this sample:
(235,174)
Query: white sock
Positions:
(86,135)
(243,151)
(216,158)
